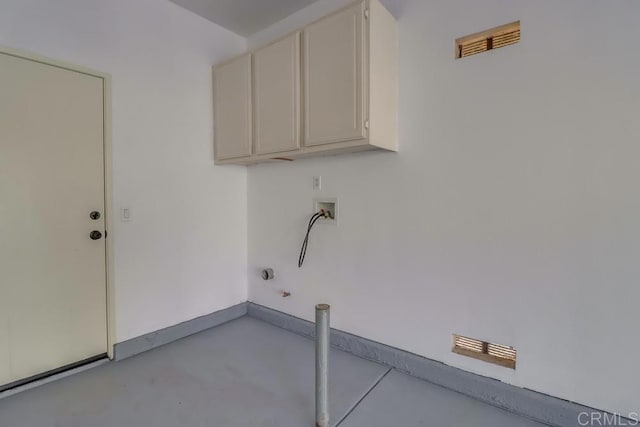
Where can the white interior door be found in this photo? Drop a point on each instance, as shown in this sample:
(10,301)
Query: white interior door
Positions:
(52,274)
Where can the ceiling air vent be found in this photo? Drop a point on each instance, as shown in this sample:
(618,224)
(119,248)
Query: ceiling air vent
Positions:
(484,41)
(488,352)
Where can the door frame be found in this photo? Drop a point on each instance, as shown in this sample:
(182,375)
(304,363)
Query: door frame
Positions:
(108,183)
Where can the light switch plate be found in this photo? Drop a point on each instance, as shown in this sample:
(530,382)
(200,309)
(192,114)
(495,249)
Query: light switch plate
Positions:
(125,214)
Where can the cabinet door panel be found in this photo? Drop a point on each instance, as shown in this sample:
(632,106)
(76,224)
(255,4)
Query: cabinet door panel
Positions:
(232,109)
(276,77)
(334,79)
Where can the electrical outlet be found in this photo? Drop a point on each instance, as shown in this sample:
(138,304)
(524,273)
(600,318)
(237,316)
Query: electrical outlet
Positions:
(330,205)
(317,183)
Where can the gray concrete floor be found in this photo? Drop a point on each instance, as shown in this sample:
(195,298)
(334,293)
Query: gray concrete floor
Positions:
(242,374)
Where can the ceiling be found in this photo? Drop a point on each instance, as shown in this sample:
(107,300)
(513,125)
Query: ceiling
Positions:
(244,17)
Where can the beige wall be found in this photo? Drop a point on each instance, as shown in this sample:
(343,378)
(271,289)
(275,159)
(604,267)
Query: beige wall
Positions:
(511,212)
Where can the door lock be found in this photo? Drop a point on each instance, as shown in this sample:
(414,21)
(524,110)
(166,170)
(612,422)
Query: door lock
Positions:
(95,215)
(95,235)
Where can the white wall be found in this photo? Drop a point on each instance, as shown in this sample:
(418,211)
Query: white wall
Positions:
(511,212)
(184,253)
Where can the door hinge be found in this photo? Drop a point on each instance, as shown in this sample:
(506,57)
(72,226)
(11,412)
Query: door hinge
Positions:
(366,14)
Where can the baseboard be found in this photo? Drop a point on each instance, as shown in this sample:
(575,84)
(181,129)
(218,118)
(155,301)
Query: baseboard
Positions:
(159,338)
(526,403)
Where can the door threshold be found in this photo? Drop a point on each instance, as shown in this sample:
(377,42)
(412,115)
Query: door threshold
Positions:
(53,375)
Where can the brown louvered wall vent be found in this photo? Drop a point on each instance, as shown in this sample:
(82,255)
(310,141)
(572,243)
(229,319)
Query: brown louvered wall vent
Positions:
(488,352)
(484,41)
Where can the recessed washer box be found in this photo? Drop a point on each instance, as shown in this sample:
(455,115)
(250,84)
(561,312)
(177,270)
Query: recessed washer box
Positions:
(329,204)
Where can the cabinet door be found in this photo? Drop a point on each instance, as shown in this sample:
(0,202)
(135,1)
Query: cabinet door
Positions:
(334,78)
(276,77)
(232,108)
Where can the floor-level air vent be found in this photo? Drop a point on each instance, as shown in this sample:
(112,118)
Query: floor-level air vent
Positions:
(484,41)
(488,352)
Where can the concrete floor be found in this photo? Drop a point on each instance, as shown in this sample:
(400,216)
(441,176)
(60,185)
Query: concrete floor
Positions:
(243,374)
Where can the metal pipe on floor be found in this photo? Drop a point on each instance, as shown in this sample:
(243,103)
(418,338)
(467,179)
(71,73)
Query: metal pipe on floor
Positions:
(322,365)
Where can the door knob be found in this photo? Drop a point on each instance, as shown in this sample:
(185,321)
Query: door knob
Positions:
(95,235)
(95,215)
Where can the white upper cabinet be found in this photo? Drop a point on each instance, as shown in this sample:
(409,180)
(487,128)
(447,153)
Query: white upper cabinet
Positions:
(276,102)
(334,78)
(328,88)
(232,109)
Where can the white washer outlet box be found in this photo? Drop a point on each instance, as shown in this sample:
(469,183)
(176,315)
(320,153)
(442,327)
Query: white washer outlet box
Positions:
(329,205)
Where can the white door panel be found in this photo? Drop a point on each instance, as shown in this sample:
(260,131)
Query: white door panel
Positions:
(276,74)
(232,109)
(53,277)
(334,83)
(5,368)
